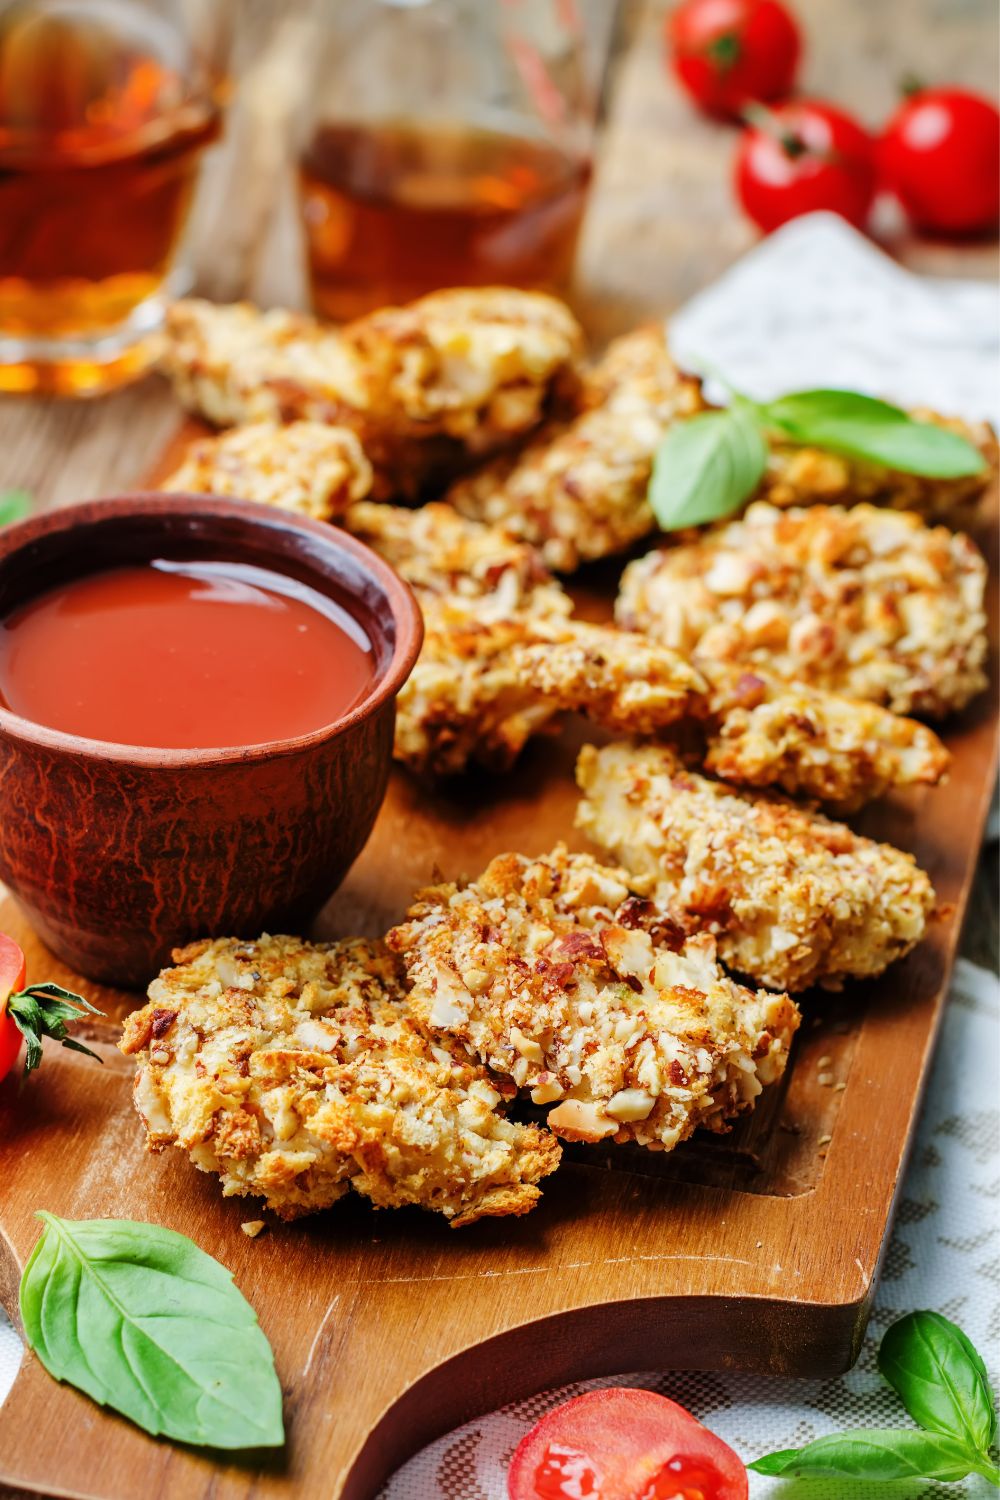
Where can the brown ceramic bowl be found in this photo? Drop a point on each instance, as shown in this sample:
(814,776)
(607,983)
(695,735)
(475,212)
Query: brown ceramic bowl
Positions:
(118,853)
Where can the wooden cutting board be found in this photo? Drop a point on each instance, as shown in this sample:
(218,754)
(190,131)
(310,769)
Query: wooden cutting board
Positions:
(758,1251)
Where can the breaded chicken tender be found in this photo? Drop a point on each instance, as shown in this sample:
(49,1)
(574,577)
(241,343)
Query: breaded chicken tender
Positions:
(307,467)
(791,898)
(449,561)
(764,732)
(805,476)
(295,1071)
(474,366)
(481,690)
(869,603)
(577,490)
(553,971)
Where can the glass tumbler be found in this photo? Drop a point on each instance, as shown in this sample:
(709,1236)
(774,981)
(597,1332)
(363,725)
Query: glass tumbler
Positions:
(106,107)
(447,143)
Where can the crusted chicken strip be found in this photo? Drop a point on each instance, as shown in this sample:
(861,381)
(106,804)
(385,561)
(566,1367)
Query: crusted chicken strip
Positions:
(477,366)
(578,489)
(295,1071)
(459,565)
(308,467)
(870,603)
(480,690)
(554,972)
(791,898)
(803,476)
(763,733)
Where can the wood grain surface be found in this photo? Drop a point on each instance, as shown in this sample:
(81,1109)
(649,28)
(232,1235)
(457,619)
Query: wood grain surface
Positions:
(758,1252)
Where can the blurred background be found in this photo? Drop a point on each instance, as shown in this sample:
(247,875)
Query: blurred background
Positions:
(339,153)
(347,153)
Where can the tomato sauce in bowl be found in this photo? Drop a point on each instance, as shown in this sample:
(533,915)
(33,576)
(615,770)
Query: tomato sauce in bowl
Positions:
(197,706)
(184,654)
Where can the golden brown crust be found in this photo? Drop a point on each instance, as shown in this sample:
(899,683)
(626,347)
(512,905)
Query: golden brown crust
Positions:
(307,467)
(550,970)
(792,899)
(764,732)
(473,368)
(868,603)
(295,1072)
(578,489)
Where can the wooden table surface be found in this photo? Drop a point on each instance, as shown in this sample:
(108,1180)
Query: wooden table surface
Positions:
(661,223)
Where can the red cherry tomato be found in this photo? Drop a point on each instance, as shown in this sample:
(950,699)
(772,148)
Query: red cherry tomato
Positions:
(623,1444)
(801,157)
(729,52)
(940,155)
(12,976)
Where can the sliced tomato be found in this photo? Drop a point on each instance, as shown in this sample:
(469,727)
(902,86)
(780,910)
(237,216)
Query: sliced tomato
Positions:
(621,1444)
(12,976)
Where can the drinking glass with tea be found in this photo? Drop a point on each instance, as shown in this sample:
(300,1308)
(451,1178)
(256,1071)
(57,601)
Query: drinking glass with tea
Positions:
(106,108)
(447,143)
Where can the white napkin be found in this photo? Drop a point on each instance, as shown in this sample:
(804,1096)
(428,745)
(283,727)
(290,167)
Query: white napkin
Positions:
(816,304)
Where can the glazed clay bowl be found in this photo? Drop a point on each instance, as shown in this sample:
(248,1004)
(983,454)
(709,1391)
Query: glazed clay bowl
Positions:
(119,853)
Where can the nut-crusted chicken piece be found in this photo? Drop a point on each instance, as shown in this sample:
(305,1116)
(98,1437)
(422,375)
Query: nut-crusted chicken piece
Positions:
(804,476)
(453,562)
(308,467)
(791,898)
(476,366)
(295,1071)
(476,363)
(482,689)
(870,603)
(553,971)
(577,490)
(764,732)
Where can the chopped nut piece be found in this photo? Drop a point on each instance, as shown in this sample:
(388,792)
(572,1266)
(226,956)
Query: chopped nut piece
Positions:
(252,1227)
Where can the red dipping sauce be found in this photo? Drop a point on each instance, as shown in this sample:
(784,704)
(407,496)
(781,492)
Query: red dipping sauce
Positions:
(192,655)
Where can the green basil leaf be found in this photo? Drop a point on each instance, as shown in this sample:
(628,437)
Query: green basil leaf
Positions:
(706,467)
(871,1453)
(940,1378)
(14,506)
(143,1321)
(861,427)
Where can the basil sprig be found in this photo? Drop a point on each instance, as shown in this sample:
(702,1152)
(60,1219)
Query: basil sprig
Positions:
(942,1382)
(143,1321)
(708,465)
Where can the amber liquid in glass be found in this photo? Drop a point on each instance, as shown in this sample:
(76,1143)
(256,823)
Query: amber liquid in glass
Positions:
(395,210)
(99,149)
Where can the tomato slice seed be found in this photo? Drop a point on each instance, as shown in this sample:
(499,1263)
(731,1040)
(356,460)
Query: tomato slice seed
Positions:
(566,1474)
(685,1479)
